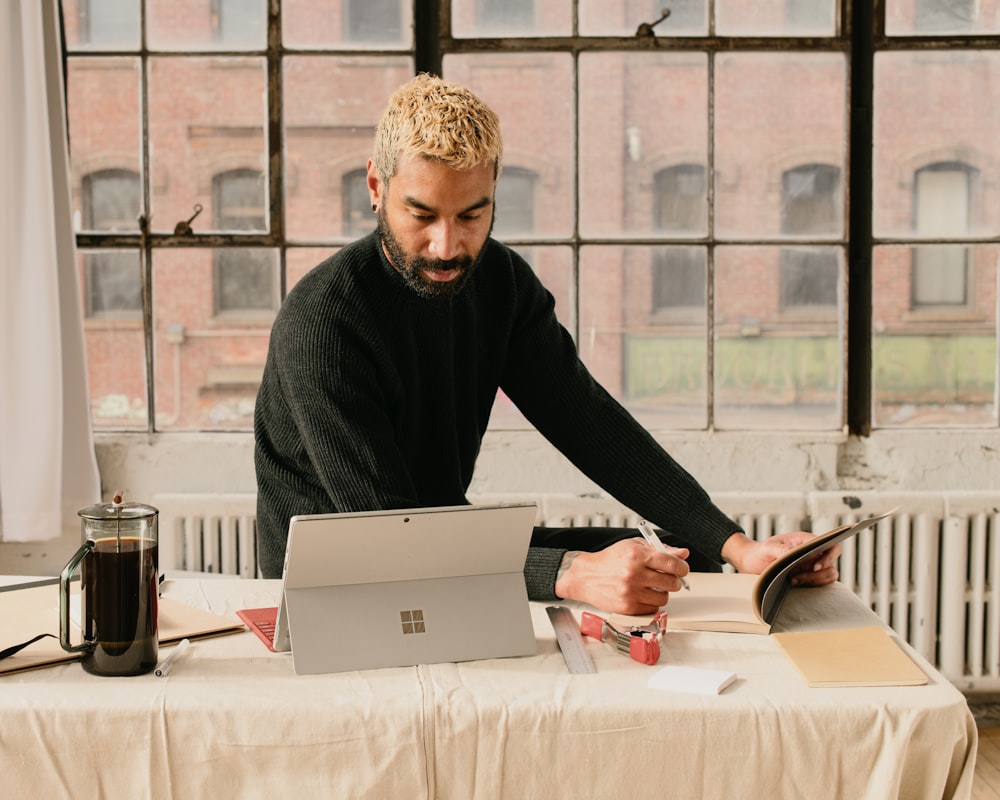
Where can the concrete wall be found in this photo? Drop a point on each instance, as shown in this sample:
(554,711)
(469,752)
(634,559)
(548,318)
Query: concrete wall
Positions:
(522,461)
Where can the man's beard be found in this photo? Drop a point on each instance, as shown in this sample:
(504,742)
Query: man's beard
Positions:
(412,267)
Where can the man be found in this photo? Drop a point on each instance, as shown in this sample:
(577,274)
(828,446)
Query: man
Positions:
(384,362)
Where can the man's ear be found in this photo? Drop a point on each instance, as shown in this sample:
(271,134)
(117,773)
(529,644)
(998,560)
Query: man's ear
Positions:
(375,186)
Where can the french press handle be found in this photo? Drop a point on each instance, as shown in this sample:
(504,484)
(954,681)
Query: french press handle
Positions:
(64,578)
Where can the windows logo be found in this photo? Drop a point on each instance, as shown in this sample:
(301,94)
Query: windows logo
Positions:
(412,621)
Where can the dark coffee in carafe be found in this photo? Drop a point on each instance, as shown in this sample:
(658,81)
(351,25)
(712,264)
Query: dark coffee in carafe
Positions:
(119,606)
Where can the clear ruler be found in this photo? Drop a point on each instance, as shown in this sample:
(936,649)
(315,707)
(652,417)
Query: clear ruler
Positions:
(570,641)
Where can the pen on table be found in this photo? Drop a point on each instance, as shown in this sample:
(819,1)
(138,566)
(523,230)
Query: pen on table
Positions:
(168,663)
(647,533)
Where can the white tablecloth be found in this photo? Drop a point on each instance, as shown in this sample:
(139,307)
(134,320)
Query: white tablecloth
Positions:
(233,720)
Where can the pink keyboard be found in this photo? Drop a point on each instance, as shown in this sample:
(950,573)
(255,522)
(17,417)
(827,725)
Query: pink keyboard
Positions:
(261,621)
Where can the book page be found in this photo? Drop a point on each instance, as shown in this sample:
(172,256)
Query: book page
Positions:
(718,601)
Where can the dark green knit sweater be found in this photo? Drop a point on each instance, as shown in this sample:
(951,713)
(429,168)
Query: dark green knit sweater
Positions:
(374,397)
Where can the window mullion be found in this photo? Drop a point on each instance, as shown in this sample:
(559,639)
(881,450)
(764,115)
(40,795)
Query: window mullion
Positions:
(859,281)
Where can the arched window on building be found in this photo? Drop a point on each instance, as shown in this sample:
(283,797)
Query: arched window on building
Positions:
(941,209)
(112,281)
(681,209)
(244,278)
(811,206)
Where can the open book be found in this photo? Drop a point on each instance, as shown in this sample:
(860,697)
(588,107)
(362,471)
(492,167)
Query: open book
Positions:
(739,602)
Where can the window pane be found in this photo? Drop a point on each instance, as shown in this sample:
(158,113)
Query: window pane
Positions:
(934,364)
(932,121)
(554,268)
(537,123)
(206,116)
(386,24)
(601,18)
(207,367)
(511,18)
(105,144)
(209,24)
(775,368)
(774,112)
(645,113)
(112,333)
(101,24)
(776,17)
(332,106)
(932,17)
(654,364)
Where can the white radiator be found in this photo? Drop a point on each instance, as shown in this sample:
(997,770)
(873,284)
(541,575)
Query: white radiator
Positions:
(931,572)
(208,533)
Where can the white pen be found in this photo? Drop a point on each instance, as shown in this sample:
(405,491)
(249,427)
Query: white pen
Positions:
(168,663)
(648,534)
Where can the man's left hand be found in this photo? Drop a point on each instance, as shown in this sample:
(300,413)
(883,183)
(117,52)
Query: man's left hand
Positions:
(751,556)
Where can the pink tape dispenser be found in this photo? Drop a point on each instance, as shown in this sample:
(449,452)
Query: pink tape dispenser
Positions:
(639,642)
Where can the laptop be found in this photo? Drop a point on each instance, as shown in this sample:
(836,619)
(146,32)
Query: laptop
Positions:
(405,587)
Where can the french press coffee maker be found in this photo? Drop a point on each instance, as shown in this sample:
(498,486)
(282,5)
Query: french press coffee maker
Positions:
(118,563)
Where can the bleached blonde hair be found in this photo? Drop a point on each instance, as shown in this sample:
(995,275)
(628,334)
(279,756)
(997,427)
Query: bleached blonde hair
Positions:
(433,118)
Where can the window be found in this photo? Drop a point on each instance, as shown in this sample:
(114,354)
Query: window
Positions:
(681,200)
(108,23)
(112,282)
(358,216)
(494,16)
(373,20)
(934,16)
(515,203)
(239,23)
(694,209)
(808,15)
(941,208)
(245,279)
(810,207)
(681,208)
(685,16)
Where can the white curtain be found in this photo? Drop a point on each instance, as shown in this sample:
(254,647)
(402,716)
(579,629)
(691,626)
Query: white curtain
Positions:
(48,469)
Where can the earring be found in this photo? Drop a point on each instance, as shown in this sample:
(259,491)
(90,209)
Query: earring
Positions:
(374,208)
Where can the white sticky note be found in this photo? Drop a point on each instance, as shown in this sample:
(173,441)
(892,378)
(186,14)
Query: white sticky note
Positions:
(673,678)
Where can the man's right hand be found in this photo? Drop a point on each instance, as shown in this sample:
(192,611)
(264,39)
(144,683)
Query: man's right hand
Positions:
(628,577)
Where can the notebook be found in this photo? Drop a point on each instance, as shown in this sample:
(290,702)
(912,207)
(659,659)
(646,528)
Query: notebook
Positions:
(404,587)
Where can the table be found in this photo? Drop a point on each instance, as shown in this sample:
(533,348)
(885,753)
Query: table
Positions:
(233,720)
